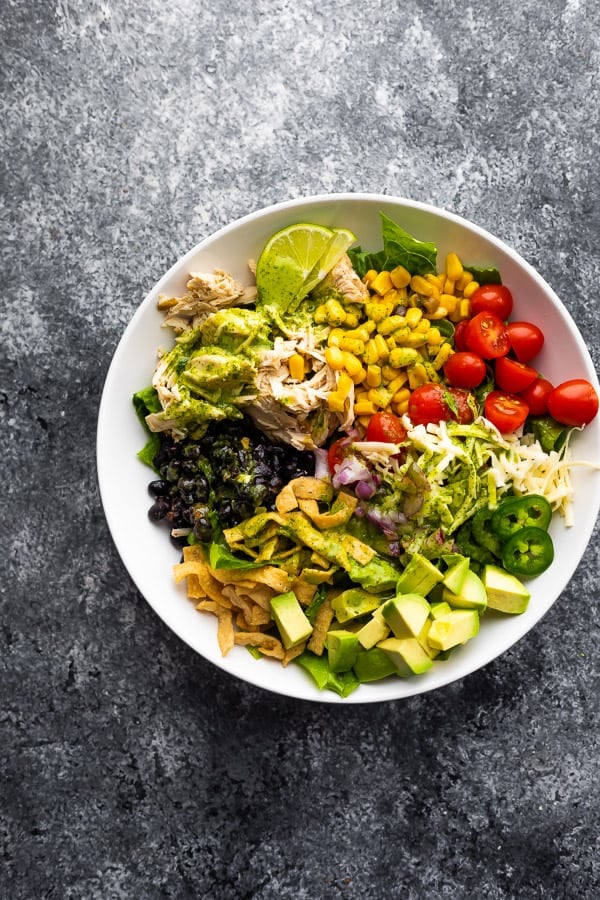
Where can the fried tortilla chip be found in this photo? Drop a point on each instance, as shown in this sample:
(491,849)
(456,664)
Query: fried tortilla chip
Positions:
(308,488)
(323,620)
(225,631)
(292,653)
(267,644)
(286,499)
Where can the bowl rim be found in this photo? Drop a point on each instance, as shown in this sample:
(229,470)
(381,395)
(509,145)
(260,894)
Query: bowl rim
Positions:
(412,687)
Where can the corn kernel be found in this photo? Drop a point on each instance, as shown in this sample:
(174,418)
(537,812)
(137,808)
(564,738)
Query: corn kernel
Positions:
(470,289)
(344,384)
(382,283)
(352,364)
(436,280)
(440,313)
(417,375)
(320,314)
(395,384)
(336,402)
(363,421)
(296,366)
(423,326)
(413,316)
(351,320)
(434,336)
(401,395)
(334,358)
(359,376)
(414,339)
(420,285)
(380,397)
(364,408)
(391,323)
(401,408)
(334,337)
(463,281)
(400,277)
(389,373)
(378,310)
(371,354)
(336,314)
(361,333)
(374,376)
(404,356)
(449,285)
(442,357)
(454,267)
(369,277)
(382,348)
(352,345)
(449,301)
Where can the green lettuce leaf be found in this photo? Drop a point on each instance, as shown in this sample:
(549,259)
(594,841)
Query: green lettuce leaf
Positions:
(145,402)
(399,249)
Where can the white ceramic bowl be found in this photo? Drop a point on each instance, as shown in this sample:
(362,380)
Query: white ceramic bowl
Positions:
(146,549)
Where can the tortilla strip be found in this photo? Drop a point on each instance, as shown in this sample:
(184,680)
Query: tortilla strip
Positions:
(323,620)
(303,591)
(266,643)
(194,588)
(207,606)
(339,514)
(209,585)
(309,488)
(292,653)
(268,575)
(225,632)
(358,550)
(286,499)
(259,594)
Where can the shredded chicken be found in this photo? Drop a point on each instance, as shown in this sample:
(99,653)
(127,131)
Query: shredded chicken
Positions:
(345,280)
(206,293)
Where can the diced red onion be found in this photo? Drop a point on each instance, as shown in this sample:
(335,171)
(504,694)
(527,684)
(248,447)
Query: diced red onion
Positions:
(321,464)
(364,490)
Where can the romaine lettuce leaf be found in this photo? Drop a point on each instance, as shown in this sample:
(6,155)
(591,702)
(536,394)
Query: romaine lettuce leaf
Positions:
(399,249)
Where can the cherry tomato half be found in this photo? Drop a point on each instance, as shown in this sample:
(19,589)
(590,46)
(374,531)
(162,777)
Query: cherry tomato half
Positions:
(487,336)
(385,427)
(526,339)
(506,411)
(573,402)
(337,453)
(436,403)
(536,396)
(495,298)
(460,332)
(513,376)
(465,369)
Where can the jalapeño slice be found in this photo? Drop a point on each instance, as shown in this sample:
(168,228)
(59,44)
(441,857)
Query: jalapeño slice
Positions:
(483,531)
(515,513)
(528,552)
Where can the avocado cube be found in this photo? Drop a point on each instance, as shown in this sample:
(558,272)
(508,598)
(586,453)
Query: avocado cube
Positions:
(372,665)
(419,576)
(289,617)
(373,631)
(407,656)
(504,591)
(406,614)
(353,603)
(342,647)
(456,627)
(439,609)
(472,594)
(454,577)
(422,639)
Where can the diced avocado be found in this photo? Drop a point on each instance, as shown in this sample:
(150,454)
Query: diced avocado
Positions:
(375,630)
(419,576)
(353,603)
(289,617)
(422,639)
(505,592)
(472,594)
(406,614)
(439,609)
(455,575)
(407,656)
(342,647)
(371,665)
(456,627)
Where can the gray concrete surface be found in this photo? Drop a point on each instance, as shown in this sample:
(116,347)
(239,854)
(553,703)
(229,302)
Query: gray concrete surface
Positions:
(129,767)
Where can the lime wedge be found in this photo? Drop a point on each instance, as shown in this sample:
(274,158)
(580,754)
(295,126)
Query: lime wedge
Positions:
(295,259)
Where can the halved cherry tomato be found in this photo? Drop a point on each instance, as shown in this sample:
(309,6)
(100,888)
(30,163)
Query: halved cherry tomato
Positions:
(385,427)
(513,376)
(526,339)
(436,403)
(495,298)
(486,335)
(465,369)
(337,453)
(460,332)
(573,402)
(506,411)
(536,396)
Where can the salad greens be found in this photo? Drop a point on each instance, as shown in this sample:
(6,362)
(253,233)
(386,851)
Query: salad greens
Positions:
(399,249)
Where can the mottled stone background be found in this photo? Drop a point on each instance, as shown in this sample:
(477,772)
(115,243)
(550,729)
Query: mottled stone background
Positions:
(129,767)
